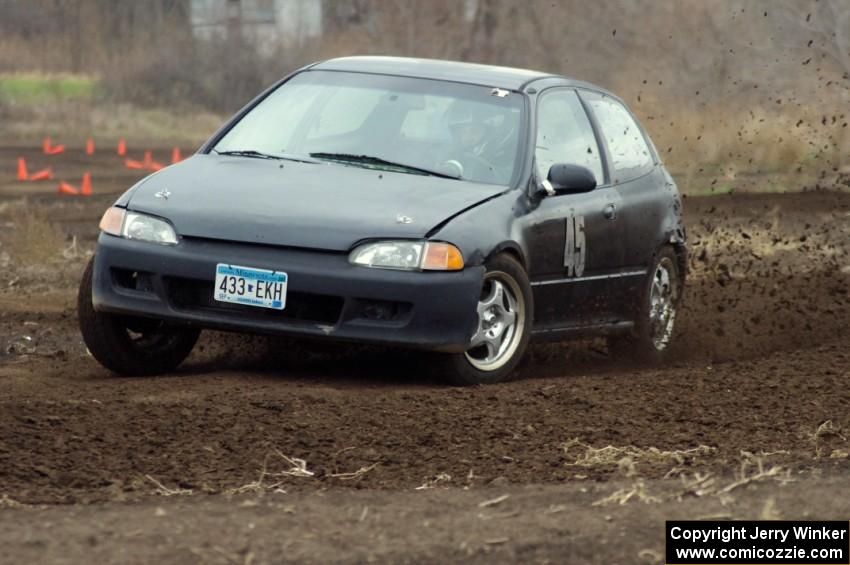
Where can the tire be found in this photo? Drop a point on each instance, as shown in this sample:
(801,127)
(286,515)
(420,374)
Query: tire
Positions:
(650,339)
(127,345)
(502,344)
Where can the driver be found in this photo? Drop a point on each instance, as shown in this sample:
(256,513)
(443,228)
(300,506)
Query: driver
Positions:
(469,129)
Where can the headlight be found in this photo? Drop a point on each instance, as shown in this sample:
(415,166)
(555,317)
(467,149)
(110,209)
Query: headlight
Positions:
(408,256)
(132,225)
(148,228)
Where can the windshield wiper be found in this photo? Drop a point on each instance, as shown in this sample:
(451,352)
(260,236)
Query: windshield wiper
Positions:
(260,155)
(370,160)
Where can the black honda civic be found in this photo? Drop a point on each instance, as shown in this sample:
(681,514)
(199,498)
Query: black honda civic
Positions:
(458,208)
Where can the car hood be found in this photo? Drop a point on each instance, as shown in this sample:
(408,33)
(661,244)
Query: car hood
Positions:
(322,206)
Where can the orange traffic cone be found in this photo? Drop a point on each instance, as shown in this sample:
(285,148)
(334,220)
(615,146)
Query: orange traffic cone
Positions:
(89,146)
(122,147)
(85,189)
(45,174)
(51,149)
(150,164)
(175,155)
(132,164)
(65,188)
(22,169)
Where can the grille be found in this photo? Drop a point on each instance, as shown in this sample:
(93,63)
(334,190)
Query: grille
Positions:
(191,294)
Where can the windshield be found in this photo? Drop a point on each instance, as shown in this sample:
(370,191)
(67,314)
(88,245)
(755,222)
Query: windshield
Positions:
(393,123)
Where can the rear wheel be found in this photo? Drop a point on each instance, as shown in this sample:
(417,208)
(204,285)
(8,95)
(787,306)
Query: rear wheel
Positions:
(129,345)
(656,316)
(503,329)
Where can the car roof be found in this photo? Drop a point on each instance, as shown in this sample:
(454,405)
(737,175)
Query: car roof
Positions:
(471,73)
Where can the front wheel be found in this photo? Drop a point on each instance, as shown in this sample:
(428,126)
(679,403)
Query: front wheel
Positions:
(505,312)
(128,345)
(659,303)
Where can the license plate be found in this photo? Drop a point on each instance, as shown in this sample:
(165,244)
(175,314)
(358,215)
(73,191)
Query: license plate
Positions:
(249,286)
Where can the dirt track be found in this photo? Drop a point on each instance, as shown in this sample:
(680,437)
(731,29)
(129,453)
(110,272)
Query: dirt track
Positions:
(533,524)
(762,366)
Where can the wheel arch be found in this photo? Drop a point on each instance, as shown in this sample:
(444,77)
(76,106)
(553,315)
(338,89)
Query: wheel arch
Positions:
(680,251)
(677,240)
(510,248)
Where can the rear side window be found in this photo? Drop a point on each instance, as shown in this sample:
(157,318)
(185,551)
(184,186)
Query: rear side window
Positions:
(629,153)
(564,134)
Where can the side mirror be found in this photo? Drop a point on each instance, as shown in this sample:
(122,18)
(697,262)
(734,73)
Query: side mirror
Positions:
(569,179)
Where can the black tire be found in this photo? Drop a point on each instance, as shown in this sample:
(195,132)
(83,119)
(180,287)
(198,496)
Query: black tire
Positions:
(465,369)
(151,349)
(649,341)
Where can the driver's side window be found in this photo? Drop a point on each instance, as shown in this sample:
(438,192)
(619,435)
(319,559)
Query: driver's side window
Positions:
(564,134)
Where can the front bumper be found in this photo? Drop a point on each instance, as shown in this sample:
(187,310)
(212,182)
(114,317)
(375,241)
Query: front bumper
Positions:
(327,297)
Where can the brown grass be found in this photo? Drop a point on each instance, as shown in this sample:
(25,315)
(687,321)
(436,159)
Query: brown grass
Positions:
(80,118)
(724,143)
(31,238)
(824,433)
(752,468)
(628,458)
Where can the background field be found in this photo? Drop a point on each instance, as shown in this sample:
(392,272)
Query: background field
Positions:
(260,450)
(728,89)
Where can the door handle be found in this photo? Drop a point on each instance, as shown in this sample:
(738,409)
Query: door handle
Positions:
(610,212)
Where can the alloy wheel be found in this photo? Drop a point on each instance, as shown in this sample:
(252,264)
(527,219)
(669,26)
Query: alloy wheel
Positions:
(663,297)
(501,322)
